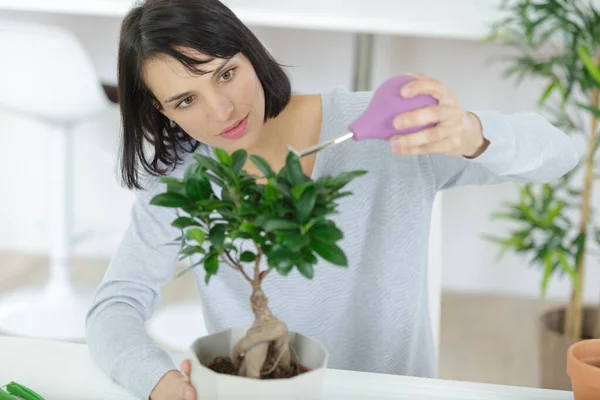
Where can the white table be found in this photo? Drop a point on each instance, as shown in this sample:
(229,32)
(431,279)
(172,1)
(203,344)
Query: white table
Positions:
(64,371)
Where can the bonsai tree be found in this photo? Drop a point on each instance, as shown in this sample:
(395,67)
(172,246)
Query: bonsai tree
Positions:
(285,215)
(558,41)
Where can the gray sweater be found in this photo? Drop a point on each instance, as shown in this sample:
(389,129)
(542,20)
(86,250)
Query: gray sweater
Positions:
(372,316)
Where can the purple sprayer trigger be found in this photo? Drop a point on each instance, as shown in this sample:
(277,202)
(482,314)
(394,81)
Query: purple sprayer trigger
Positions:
(387,103)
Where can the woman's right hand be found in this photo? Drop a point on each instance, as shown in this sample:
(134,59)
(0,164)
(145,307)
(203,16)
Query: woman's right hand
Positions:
(175,385)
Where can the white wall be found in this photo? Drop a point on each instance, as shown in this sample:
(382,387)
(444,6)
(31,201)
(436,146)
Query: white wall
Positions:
(321,61)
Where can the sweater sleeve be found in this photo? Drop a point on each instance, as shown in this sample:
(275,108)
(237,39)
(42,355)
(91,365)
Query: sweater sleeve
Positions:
(115,325)
(524,147)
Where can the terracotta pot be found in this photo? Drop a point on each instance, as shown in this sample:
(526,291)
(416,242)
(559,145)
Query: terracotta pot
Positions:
(583,367)
(554,346)
(308,385)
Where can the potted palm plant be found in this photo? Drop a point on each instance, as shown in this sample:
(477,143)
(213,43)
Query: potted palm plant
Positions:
(285,217)
(558,41)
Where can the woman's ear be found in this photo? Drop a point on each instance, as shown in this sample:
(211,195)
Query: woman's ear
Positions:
(157,105)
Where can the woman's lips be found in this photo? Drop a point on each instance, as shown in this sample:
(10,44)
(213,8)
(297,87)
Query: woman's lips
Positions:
(237,130)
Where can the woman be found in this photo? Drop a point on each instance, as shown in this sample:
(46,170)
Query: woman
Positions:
(192,77)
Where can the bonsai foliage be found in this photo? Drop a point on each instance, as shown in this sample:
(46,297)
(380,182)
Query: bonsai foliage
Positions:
(558,41)
(284,215)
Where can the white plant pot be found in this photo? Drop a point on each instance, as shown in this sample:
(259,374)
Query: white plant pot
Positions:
(212,385)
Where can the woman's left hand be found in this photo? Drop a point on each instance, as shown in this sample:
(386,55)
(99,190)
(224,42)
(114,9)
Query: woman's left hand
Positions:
(456,131)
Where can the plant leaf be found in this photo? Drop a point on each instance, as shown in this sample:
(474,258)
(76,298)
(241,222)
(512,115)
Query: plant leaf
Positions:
(307,270)
(279,255)
(592,68)
(198,188)
(223,156)
(247,256)
(278,224)
(326,233)
(217,235)
(196,234)
(238,160)
(548,270)
(294,240)
(173,200)
(263,166)
(174,185)
(184,222)
(271,190)
(190,250)
(330,252)
(211,266)
(568,269)
(294,169)
(307,202)
(593,110)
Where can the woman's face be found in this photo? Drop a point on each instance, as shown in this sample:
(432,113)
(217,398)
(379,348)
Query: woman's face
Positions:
(223,108)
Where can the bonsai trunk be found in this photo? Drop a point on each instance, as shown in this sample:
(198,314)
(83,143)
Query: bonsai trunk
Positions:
(264,350)
(574,319)
(265,347)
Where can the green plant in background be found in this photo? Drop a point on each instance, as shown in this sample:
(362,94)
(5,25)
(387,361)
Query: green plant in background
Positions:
(283,216)
(557,41)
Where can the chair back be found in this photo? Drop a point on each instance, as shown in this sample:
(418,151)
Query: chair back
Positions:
(45,72)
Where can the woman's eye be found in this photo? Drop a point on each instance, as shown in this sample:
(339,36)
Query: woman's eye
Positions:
(186,102)
(227,75)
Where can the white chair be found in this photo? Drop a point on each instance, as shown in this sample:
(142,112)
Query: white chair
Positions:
(46,74)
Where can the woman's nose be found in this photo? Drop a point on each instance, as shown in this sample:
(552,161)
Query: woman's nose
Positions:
(221,107)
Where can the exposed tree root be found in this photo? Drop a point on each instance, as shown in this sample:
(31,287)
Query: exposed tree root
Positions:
(265,347)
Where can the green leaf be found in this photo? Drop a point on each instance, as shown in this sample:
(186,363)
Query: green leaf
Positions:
(263,166)
(306,203)
(341,180)
(293,240)
(330,252)
(190,170)
(217,235)
(196,234)
(298,190)
(294,169)
(238,160)
(173,200)
(190,250)
(562,259)
(326,233)
(211,266)
(279,255)
(554,212)
(247,256)
(174,185)
(593,110)
(579,243)
(198,188)
(271,191)
(592,68)
(307,270)
(249,227)
(272,225)
(221,171)
(548,270)
(184,222)
(285,268)
(547,92)
(223,156)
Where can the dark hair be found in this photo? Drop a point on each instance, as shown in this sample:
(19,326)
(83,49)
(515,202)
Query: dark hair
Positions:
(164,27)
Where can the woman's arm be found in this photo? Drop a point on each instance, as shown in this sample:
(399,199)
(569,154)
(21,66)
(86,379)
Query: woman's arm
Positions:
(475,148)
(523,147)
(144,262)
